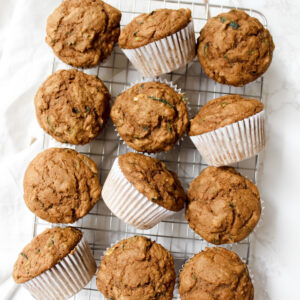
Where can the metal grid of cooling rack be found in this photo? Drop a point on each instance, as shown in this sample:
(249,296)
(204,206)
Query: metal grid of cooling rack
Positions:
(100,226)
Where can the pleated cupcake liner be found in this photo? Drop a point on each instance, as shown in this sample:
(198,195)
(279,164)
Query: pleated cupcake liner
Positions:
(128,204)
(67,277)
(165,55)
(232,143)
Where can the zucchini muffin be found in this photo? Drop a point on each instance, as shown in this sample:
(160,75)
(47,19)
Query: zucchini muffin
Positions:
(215,273)
(150,116)
(46,265)
(223,206)
(141,191)
(61,185)
(228,129)
(72,106)
(137,268)
(234,48)
(83,33)
(159,42)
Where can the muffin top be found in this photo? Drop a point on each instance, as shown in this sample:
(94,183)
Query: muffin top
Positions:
(137,268)
(151,178)
(223,111)
(150,117)
(223,206)
(44,251)
(148,28)
(234,48)
(82,33)
(61,185)
(72,106)
(215,273)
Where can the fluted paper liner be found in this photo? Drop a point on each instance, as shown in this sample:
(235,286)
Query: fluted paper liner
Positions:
(232,143)
(164,55)
(128,204)
(67,277)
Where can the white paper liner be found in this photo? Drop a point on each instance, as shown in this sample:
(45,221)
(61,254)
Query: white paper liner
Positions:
(164,55)
(232,143)
(67,277)
(128,204)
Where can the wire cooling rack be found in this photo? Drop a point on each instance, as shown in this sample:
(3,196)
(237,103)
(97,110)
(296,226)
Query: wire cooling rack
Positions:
(100,226)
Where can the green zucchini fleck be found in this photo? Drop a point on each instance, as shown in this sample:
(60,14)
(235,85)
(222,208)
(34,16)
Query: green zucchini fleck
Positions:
(224,104)
(24,255)
(163,101)
(50,124)
(234,25)
(205,48)
(222,19)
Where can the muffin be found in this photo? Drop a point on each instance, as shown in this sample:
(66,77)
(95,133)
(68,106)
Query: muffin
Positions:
(223,206)
(141,191)
(137,268)
(72,106)
(83,33)
(228,129)
(215,273)
(150,116)
(56,264)
(61,185)
(234,48)
(159,42)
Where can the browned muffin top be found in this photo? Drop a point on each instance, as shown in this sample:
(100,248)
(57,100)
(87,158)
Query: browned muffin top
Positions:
(82,33)
(223,111)
(44,251)
(234,48)
(215,273)
(135,269)
(148,28)
(150,116)
(223,206)
(151,178)
(72,106)
(61,185)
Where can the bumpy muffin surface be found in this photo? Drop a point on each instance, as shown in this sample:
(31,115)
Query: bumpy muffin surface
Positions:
(83,33)
(215,274)
(234,48)
(61,185)
(44,251)
(223,206)
(223,111)
(151,178)
(72,106)
(137,268)
(148,28)
(150,117)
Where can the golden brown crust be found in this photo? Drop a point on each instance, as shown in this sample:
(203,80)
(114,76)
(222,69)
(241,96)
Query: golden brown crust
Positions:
(137,269)
(148,28)
(44,251)
(151,178)
(234,48)
(223,206)
(72,106)
(61,185)
(150,117)
(223,111)
(213,274)
(83,33)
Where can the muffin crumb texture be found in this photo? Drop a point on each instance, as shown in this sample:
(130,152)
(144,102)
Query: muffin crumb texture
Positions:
(215,273)
(223,206)
(151,178)
(137,268)
(44,251)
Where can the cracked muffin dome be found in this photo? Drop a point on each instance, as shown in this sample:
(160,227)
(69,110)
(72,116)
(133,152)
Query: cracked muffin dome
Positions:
(215,273)
(61,185)
(137,268)
(72,106)
(44,251)
(234,48)
(223,206)
(83,33)
(150,117)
